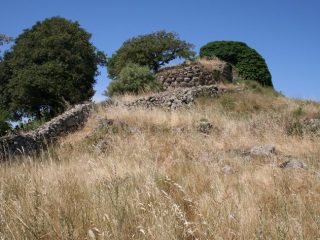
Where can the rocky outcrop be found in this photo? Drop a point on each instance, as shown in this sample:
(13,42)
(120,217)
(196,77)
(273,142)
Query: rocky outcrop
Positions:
(195,74)
(48,133)
(175,98)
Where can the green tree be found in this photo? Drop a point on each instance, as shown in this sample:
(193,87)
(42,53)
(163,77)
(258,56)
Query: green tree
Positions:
(249,62)
(133,79)
(5,39)
(5,73)
(51,64)
(153,50)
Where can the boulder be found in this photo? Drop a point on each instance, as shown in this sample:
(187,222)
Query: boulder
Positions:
(293,164)
(227,170)
(263,150)
(204,127)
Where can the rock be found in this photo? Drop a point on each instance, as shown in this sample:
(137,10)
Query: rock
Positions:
(263,150)
(204,127)
(174,98)
(203,73)
(103,122)
(227,170)
(312,126)
(293,164)
(178,129)
(102,146)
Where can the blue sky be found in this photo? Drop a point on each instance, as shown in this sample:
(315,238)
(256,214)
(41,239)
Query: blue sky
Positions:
(285,32)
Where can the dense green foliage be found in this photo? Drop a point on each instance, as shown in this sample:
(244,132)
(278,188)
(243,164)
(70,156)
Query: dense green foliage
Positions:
(5,73)
(250,63)
(133,79)
(153,50)
(51,64)
(4,125)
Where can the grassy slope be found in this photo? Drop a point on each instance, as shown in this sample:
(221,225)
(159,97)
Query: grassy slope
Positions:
(156,182)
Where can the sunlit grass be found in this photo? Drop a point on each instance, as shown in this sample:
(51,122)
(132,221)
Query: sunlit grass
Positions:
(165,180)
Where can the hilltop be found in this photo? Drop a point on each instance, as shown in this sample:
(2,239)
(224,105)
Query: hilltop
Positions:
(240,161)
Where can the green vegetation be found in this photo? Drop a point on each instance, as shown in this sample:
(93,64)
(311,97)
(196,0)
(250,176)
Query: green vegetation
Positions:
(133,79)
(51,64)
(4,39)
(249,62)
(4,125)
(153,50)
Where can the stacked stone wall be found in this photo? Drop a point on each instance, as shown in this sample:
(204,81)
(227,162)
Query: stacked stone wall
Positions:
(194,74)
(48,133)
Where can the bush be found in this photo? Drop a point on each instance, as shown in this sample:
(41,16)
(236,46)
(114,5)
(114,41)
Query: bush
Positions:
(249,62)
(4,125)
(133,79)
(32,124)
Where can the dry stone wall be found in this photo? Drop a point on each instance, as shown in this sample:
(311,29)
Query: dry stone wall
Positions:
(48,133)
(195,74)
(175,98)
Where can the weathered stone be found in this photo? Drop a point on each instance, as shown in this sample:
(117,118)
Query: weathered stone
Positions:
(263,150)
(175,98)
(185,72)
(204,127)
(293,164)
(312,126)
(48,133)
(227,170)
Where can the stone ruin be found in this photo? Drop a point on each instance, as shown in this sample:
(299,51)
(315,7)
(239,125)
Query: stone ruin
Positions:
(40,138)
(196,73)
(175,98)
(183,83)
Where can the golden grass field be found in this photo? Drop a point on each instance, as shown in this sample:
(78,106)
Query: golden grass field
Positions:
(157,177)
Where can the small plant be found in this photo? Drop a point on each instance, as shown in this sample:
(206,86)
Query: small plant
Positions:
(294,129)
(298,112)
(32,124)
(228,102)
(4,125)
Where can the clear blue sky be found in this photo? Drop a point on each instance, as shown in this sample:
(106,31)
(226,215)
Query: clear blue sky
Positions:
(285,32)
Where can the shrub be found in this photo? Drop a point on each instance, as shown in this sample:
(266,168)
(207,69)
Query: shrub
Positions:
(297,113)
(30,125)
(249,62)
(133,79)
(4,125)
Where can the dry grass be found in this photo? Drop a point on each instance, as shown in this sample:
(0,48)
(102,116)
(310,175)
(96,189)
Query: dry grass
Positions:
(159,183)
(210,64)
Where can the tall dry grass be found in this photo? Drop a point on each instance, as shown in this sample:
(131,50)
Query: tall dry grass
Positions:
(159,178)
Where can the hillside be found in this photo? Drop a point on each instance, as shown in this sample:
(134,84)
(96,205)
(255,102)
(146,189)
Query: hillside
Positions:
(242,164)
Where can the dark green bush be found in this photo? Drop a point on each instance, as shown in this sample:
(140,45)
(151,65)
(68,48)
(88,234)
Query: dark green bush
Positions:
(4,125)
(133,79)
(249,62)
